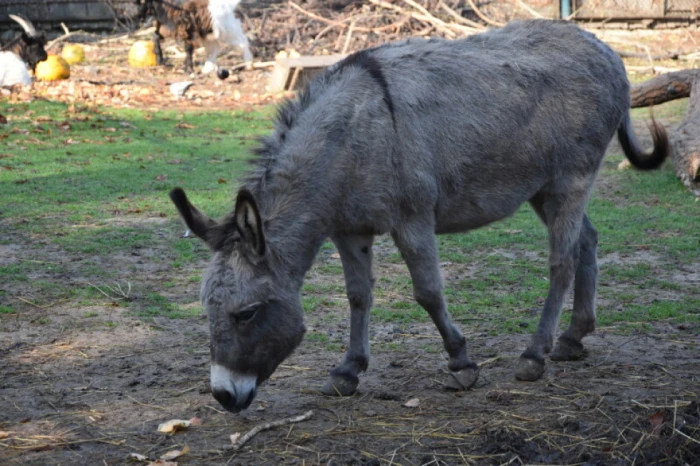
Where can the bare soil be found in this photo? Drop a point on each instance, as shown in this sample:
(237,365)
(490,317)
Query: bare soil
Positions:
(92,390)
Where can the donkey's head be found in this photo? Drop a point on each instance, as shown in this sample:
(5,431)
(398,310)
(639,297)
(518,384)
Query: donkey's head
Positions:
(255,312)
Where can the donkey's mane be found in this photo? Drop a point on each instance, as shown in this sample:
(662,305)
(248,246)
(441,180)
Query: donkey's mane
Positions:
(265,155)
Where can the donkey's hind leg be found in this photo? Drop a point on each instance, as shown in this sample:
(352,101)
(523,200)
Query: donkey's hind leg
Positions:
(569,347)
(356,256)
(562,211)
(418,248)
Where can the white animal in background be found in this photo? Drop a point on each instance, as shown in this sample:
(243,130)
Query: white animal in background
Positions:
(212,23)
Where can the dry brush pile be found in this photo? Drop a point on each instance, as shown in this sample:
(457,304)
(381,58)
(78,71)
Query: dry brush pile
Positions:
(314,27)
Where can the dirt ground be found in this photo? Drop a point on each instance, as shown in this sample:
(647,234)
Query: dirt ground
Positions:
(75,391)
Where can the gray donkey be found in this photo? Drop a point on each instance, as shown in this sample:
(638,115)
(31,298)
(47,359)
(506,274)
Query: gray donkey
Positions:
(414,139)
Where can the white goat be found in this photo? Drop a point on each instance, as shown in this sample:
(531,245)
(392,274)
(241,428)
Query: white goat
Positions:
(21,55)
(227,29)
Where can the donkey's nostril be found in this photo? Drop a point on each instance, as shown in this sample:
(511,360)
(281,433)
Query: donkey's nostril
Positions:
(249,399)
(227,399)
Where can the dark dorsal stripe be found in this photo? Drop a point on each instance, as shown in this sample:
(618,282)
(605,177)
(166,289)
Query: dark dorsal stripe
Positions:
(364,59)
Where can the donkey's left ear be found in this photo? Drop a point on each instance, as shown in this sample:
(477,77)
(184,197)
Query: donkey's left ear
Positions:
(248,221)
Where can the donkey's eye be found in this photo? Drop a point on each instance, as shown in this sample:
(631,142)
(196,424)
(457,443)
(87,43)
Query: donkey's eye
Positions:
(247,314)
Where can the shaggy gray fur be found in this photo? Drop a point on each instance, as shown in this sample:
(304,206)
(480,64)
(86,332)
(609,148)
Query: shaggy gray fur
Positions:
(414,139)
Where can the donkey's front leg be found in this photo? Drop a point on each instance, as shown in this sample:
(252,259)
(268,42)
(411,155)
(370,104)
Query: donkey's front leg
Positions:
(418,247)
(356,256)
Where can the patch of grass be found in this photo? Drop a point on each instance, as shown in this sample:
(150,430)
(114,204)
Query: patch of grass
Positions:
(633,273)
(311,303)
(114,167)
(317,337)
(156,305)
(7,310)
(405,316)
(668,112)
(189,251)
(684,310)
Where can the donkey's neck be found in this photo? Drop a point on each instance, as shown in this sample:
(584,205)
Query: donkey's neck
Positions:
(295,223)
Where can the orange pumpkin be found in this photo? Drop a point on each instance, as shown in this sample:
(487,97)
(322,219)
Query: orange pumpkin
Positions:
(73,53)
(52,69)
(142,54)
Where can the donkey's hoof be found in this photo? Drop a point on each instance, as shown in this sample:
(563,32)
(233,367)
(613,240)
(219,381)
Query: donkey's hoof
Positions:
(529,369)
(339,385)
(464,379)
(568,350)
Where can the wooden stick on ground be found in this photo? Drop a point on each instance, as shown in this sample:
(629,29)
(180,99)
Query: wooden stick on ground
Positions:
(481,15)
(458,17)
(239,442)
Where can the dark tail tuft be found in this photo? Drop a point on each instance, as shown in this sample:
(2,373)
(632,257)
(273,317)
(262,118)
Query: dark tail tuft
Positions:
(633,151)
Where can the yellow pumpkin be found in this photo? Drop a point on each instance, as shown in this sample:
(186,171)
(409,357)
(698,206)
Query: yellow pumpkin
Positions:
(52,69)
(142,54)
(73,53)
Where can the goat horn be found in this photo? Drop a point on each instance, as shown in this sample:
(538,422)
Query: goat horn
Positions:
(26,25)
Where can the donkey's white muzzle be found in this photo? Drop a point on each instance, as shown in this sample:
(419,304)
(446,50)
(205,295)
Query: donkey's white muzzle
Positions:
(234,391)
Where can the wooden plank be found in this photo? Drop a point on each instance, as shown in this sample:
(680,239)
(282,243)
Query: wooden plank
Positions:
(293,73)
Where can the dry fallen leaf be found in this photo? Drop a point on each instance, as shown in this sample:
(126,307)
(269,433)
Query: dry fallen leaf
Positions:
(4,434)
(221,181)
(412,403)
(235,437)
(624,165)
(171,455)
(137,457)
(161,177)
(657,421)
(173,426)
(195,421)
(184,126)
(162,463)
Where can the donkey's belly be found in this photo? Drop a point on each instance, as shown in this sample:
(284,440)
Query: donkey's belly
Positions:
(471,212)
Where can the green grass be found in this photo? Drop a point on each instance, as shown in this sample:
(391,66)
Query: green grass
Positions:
(97,189)
(156,305)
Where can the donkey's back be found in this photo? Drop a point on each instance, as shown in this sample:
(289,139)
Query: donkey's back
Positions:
(470,129)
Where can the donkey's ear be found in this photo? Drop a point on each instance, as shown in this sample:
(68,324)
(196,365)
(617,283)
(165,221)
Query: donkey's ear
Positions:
(248,221)
(196,221)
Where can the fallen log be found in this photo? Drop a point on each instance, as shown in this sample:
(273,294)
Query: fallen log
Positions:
(685,141)
(662,88)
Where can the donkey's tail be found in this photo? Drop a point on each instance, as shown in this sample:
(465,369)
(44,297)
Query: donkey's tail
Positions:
(634,152)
